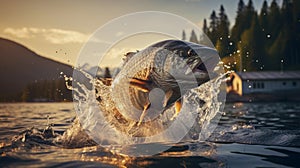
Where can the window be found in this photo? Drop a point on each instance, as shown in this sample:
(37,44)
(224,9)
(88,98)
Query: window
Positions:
(294,83)
(258,85)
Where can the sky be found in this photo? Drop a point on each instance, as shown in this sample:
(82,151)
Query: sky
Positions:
(58,29)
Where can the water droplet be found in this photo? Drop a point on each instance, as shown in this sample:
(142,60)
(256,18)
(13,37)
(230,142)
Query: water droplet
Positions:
(256,60)
(228,36)
(282,61)
(234,62)
(230,43)
(238,51)
(244,70)
(249,86)
(221,38)
(226,66)
(268,35)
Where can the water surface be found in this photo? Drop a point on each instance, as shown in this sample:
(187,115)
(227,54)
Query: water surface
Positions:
(248,135)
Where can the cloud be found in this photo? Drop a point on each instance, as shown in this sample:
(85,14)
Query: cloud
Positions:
(20,33)
(55,36)
(119,52)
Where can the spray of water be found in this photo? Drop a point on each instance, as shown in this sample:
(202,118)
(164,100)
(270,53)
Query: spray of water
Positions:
(107,126)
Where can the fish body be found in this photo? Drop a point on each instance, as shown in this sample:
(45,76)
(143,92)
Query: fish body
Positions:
(157,77)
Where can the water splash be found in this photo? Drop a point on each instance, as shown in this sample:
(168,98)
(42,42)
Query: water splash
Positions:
(102,121)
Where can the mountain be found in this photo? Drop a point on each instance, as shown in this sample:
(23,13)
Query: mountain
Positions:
(20,67)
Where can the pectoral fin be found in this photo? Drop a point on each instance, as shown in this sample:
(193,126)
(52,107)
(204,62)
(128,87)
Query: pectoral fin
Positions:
(139,84)
(143,114)
(177,109)
(167,97)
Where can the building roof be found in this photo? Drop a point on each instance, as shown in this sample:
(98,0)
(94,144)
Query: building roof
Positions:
(269,75)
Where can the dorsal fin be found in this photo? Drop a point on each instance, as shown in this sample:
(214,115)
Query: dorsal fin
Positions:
(128,56)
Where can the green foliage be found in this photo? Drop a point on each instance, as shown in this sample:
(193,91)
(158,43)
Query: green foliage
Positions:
(239,27)
(251,46)
(46,90)
(213,28)
(269,40)
(222,44)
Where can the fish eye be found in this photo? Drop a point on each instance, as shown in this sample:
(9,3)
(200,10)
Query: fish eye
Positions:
(191,52)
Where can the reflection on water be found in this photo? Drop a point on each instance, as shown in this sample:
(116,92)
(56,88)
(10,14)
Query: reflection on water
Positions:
(274,116)
(251,135)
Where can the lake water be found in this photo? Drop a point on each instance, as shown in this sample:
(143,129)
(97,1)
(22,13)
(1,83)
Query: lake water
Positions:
(248,135)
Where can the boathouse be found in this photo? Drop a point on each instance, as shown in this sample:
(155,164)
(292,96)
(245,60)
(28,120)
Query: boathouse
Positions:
(272,82)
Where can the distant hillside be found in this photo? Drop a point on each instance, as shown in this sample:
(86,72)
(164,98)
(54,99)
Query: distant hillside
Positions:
(20,67)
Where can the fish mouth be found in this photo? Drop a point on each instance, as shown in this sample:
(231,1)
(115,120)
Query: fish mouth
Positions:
(205,63)
(195,66)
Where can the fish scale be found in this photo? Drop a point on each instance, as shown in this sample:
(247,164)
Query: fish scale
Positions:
(167,65)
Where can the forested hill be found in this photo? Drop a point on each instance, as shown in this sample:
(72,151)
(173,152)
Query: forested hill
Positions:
(27,76)
(260,39)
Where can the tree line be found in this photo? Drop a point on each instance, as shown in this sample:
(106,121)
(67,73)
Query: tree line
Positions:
(264,40)
(46,90)
(49,90)
(41,91)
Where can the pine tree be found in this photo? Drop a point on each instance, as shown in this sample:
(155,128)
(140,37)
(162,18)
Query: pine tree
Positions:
(193,37)
(213,26)
(274,19)
(183,35)
(205,27)
(263,17)
(223,33)
(274,37)
(238,27)
(251,47)
(204,38)
(249,14)
(289,31)
(264,24)
(241,7)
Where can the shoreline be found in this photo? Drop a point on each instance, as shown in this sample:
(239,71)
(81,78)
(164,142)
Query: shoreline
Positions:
(232,97)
